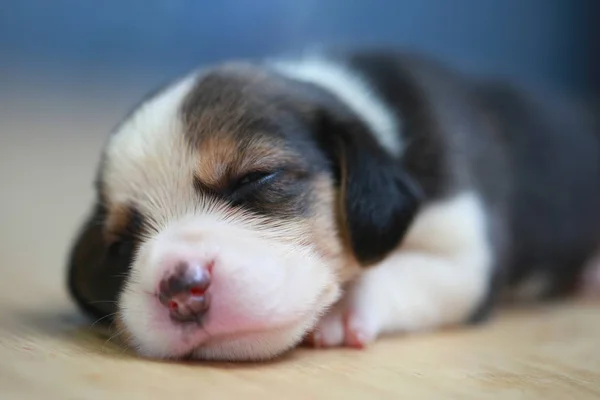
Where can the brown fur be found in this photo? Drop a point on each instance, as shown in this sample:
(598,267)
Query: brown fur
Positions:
(117,220)
(231,130)
(222,159)
(326,230)
(230,124)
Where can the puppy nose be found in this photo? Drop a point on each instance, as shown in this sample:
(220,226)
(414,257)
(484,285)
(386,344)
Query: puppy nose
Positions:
(185,291)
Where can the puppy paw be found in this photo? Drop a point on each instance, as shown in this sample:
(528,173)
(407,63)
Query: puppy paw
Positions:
(342,327)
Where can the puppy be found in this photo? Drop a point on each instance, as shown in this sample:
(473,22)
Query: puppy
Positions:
(333,197)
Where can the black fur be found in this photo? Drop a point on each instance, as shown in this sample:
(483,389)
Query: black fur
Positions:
(379,199)
(535,166)
(97,269)
(554,204)
(534,161)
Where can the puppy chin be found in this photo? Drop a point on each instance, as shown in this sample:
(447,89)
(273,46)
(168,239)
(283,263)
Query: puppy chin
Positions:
(265,293)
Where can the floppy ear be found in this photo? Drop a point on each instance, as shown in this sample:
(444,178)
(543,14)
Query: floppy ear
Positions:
(378,198)
(95,277)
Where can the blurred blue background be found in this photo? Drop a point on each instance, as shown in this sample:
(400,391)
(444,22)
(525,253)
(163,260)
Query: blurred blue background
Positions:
(542,42)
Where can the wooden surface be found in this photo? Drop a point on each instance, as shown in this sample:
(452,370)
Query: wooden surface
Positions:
(48,152)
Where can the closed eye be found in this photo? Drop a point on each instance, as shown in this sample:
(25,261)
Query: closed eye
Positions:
(255,178)
(250,183)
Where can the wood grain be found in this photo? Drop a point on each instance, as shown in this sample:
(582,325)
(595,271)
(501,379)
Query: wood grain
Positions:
(48,351)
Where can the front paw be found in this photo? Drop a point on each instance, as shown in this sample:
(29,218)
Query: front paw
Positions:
(343,326)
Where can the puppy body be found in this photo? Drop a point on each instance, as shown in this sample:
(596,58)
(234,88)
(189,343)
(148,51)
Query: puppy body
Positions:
(347,195)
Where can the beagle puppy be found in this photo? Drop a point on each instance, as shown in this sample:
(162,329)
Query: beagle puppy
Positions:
(331,198)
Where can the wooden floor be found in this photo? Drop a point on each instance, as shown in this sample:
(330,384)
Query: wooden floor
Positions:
(48,152)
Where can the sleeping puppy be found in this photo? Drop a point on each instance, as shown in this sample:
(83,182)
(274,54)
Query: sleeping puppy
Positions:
(332,197)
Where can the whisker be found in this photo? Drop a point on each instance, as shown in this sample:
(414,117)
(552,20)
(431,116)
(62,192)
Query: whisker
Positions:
(125,347)
(104,317)
(132,279)
(114,336)
(123,275)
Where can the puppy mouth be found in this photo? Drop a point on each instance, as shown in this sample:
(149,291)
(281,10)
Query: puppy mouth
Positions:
(210,302)
(200,337)
(197,337)
(192,335)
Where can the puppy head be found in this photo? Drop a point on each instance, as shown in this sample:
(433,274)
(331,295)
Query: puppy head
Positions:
(232,207)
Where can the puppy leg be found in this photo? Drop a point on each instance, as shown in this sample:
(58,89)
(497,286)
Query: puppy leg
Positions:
(439,278)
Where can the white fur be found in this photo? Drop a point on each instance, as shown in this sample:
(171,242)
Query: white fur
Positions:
(261,290)
(437,278)
(267,289)
(149,154)
(352,90)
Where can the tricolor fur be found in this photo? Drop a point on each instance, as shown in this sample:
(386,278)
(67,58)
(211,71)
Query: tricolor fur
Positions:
(336,197)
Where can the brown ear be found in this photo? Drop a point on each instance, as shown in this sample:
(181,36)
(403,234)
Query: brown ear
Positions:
(378,198)
(95,276)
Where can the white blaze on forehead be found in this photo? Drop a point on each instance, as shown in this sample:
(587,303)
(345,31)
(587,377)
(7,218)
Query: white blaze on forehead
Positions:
(149,161)
(350,88)
(265,284)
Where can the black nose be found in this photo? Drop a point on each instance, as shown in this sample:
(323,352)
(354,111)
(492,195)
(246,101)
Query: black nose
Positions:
(185,292)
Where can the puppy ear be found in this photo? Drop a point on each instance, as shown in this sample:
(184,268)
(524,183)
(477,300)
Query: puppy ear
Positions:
(379,200)
(95,279)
